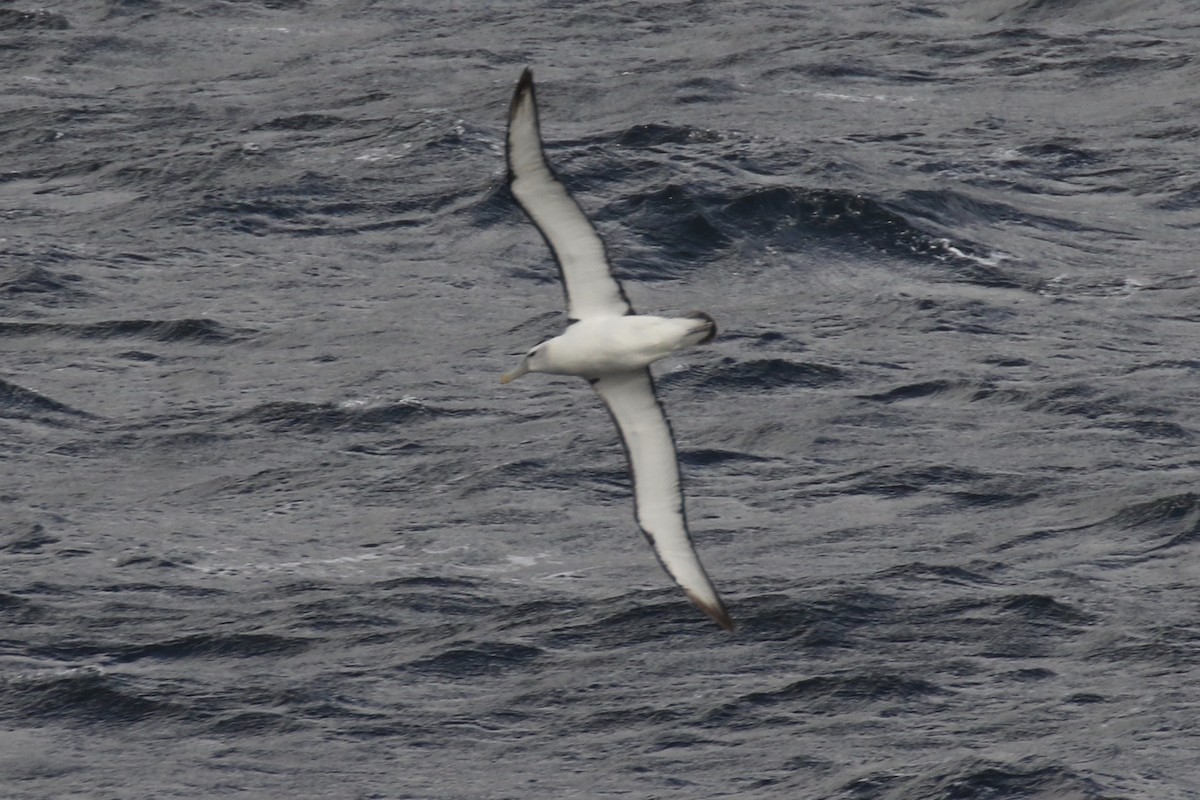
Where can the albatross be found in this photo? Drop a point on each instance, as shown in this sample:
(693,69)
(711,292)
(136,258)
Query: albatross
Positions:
(611,346)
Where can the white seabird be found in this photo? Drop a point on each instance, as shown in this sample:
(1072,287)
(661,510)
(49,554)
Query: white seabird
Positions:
(612,347)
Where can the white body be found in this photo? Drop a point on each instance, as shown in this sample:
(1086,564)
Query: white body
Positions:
(591,348)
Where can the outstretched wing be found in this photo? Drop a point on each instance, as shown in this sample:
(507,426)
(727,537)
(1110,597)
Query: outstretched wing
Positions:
(658,500)
(591,289)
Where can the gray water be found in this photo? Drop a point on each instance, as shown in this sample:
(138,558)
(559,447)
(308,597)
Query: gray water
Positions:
(271,527)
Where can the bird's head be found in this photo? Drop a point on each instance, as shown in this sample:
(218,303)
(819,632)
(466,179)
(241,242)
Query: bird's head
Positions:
(530,362)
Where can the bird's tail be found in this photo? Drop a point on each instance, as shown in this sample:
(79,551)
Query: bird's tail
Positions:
(707,329)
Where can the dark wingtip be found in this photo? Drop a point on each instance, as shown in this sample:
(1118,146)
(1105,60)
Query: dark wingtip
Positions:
(715,611)
(712,323)
(524,86)
(724,620)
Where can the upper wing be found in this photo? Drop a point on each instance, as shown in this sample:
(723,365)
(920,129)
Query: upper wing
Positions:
(658,498)
(591,289)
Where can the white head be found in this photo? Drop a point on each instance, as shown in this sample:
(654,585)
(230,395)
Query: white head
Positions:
(530,362)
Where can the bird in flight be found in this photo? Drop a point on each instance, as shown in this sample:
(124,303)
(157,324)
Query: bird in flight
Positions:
(611,346)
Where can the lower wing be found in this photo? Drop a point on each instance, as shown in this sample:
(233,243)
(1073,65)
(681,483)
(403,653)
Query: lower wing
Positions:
(658,498)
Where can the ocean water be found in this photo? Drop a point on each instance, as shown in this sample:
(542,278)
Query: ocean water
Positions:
(270,527)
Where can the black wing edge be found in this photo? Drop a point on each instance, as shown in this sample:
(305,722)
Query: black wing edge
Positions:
(525,84)
(717,613)
(712,330)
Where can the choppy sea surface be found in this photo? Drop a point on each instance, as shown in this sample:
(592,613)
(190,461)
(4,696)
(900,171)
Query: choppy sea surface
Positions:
(270,527)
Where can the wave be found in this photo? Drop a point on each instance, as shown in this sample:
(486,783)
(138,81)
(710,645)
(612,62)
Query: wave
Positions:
(971,777)
(205,331)
(44,286)
(296,416)
(679,226)
(84,696)
(857,690)
(17,402)
(476,659)
(762,374)
(209,645)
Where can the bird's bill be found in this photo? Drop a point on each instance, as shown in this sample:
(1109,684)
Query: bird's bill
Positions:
(517,372)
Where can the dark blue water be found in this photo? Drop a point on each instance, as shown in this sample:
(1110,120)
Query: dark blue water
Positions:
(270,527)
